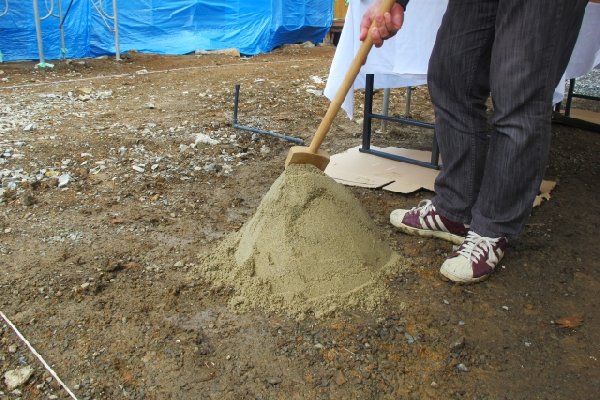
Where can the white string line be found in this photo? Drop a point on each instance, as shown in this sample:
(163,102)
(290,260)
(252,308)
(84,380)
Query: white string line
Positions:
(154,72)
(100,8)
(5,11)
(39,357)
(50,10)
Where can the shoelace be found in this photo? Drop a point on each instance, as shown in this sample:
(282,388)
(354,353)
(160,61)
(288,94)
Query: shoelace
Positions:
(424,207)
(475,246)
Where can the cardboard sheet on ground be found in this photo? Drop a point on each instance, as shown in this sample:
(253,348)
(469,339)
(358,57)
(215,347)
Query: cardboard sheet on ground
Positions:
(353,168)
(585,115)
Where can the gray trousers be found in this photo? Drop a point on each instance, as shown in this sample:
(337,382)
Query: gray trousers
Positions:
(517,50)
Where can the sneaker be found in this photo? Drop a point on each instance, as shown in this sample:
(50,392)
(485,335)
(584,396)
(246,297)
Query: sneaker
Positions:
(424,220)
(475,259)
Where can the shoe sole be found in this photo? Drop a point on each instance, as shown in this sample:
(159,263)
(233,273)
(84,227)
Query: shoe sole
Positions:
(450,237)
(460,280)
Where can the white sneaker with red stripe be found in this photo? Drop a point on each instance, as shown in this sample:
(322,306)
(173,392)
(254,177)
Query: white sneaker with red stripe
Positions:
(475,259)
(424,220)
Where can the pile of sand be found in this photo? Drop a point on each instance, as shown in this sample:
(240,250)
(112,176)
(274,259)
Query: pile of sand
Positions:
(310,248)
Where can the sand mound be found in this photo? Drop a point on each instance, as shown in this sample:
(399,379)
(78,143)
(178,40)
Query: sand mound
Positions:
(310,247)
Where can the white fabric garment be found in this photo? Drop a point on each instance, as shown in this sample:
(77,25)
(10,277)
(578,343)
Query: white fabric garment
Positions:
(406,63)
(586,54)
(403,65)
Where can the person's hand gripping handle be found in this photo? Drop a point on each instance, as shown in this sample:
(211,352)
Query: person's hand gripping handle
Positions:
(387,16)
(381,23)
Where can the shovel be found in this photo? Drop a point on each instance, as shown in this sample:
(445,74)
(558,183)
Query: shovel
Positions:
(312,154)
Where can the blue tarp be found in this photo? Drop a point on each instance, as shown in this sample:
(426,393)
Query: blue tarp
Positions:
(163,26)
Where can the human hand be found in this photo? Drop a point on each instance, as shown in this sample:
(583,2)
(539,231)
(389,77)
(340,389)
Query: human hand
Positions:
(386,25)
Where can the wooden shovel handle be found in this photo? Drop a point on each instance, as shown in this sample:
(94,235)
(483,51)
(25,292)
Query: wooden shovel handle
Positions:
(351,74)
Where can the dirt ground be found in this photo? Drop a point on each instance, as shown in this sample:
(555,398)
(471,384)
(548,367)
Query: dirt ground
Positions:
(117,177)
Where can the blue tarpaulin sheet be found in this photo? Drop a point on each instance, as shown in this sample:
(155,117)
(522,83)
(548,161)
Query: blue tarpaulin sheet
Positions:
(162,26)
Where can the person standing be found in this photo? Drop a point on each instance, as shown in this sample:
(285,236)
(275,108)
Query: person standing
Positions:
(516,51)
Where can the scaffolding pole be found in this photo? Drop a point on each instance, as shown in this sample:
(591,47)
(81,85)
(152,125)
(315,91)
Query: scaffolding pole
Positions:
(116,24)
(99,5)
(63,47)
(38,32)
(2,14)
(38,29)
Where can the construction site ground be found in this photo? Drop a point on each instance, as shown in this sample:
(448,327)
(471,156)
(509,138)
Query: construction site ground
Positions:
(118,176)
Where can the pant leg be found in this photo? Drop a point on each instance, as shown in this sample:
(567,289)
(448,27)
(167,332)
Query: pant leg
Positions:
(458,81)
(532,46)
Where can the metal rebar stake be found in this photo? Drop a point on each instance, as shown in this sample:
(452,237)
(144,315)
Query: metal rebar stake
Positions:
(235,124)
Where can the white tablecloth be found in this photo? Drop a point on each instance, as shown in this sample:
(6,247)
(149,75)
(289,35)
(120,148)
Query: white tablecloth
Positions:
(586,54)
(405,64)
